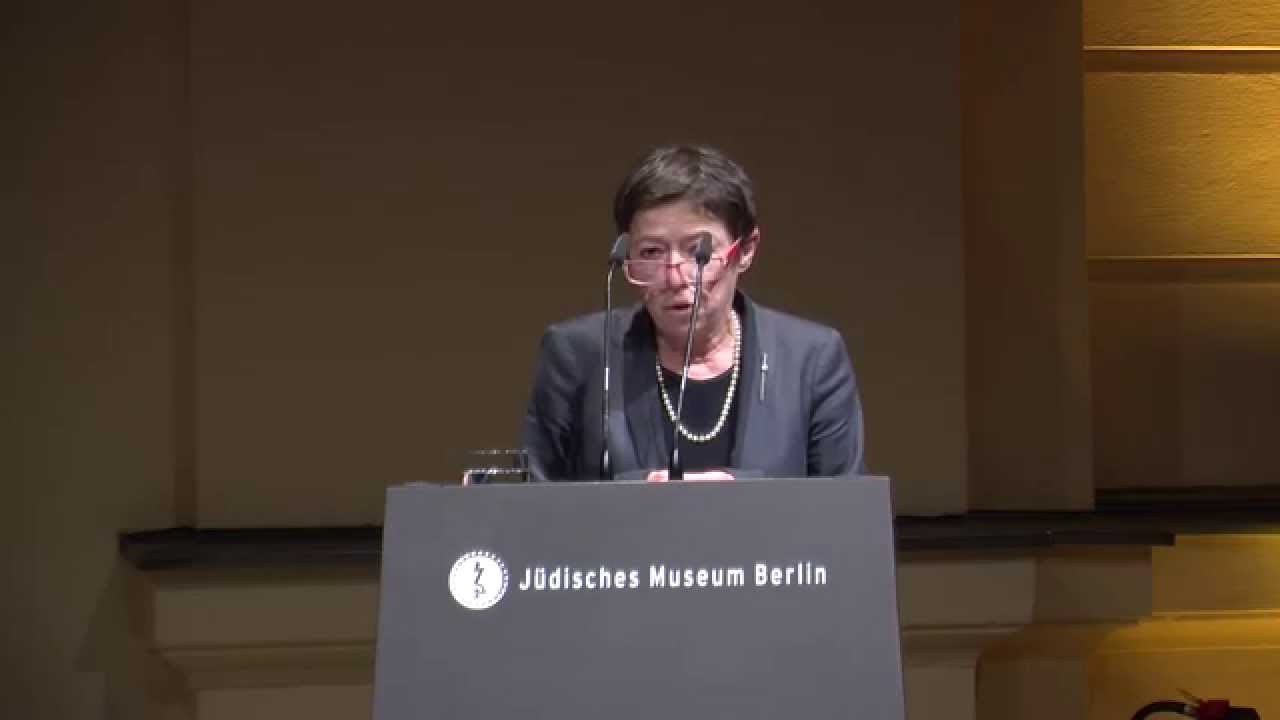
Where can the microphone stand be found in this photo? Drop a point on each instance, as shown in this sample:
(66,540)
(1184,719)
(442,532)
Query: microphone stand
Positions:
(701,256)
(616,257)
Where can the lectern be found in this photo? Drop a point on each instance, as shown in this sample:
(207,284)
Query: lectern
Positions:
(752,599)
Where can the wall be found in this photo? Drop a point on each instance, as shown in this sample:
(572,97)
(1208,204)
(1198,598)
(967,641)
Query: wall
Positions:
(390,206)
(1182,168)
(261,263)
(237,244)
(86,288)
(1030,433)
(1215,630)
(1179,175)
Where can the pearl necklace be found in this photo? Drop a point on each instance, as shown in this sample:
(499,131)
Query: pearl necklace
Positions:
(728,398)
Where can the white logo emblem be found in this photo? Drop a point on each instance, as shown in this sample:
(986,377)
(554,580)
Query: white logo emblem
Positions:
(478,580)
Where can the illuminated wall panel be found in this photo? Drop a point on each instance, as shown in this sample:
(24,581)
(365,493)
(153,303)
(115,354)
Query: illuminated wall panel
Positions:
(1185,378)
(1182,163)
(1187,22)
(1182,172)
(1125,681)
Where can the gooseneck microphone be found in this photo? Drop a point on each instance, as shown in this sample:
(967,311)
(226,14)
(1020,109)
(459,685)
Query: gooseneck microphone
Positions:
(701,256)
(616,257)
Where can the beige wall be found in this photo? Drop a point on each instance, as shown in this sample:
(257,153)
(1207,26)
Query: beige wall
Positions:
(1030,435)
(238,245)
(243,245)
(1215,630)
(389,207)
(1182,172)
(85,277)
(1201,618)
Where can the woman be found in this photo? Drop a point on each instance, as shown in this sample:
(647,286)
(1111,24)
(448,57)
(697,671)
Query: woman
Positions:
(767,394)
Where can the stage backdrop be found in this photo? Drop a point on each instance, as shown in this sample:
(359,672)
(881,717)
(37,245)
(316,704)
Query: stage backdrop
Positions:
(388,207)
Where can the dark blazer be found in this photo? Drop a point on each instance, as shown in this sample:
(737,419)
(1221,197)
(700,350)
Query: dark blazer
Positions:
(798,415)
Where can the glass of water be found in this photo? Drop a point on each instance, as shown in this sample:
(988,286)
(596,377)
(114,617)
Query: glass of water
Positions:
(496,465)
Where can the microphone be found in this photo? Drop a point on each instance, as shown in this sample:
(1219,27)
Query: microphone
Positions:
(701,256)
(616,256)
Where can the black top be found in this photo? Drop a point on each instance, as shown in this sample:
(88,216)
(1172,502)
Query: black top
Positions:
(703,401)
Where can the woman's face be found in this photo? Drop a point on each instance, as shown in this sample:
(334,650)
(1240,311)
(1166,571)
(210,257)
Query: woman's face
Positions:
(671,231)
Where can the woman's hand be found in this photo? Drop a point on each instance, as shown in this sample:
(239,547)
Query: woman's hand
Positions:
(705,476)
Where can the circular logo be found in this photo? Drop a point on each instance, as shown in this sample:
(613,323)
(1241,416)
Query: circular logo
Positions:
(478,580)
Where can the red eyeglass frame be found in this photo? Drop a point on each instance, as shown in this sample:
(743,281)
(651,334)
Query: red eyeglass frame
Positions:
(729,252)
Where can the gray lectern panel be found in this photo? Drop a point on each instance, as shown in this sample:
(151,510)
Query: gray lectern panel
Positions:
(754,599)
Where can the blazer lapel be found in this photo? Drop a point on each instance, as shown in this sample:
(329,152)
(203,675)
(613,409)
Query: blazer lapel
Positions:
(752,440)
(640,393)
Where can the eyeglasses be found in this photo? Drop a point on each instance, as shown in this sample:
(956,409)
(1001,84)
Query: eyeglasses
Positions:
(649,265)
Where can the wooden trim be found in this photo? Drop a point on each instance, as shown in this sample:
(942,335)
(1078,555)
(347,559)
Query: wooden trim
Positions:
(1187,268)
(1200,59)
